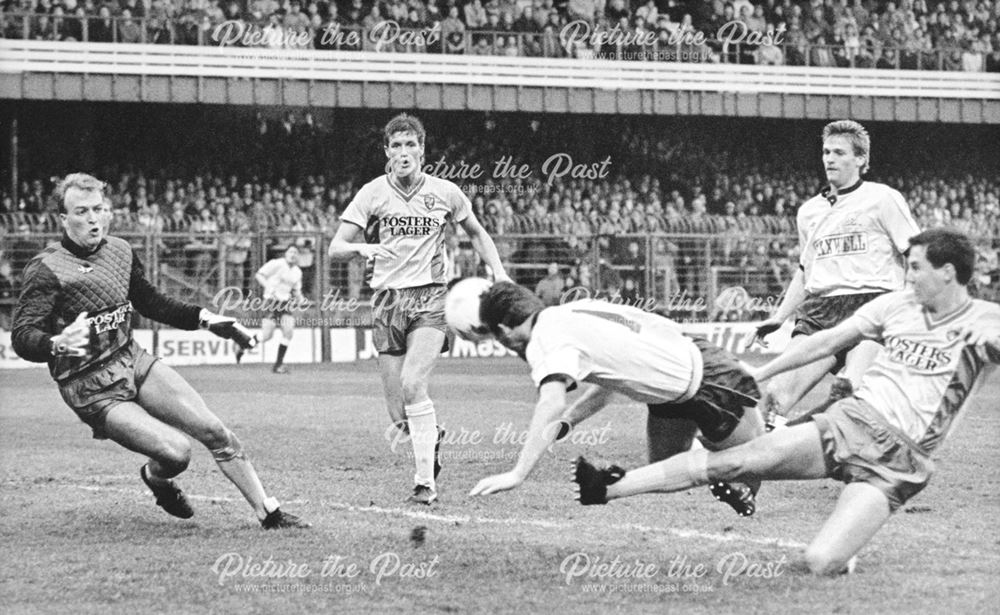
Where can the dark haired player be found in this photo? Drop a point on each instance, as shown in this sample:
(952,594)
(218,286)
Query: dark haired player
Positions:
(75,313)
(686,383)
(936,342)
(408,212)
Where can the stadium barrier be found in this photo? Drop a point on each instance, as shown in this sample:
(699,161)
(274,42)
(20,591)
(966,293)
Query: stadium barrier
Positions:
(691,278)
(25,56)
(185,348)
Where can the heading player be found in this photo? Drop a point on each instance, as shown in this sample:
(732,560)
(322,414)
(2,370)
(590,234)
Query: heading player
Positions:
(408,212)
(687,383)
(936,343)
(852,238)
(281,280)
(75,313)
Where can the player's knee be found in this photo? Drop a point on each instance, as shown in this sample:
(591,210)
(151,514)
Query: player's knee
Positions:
(286,334)
(174,455)
(213,435)
(822,562)
(414,388)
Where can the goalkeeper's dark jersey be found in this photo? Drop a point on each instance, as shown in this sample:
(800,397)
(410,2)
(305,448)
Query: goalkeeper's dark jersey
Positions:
(65,279)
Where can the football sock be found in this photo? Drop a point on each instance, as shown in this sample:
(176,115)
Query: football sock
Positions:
(677,473)
(281,354)
(422,421)
(238,469)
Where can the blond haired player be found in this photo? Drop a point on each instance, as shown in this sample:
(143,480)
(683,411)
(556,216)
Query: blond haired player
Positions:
(75,314)
(852,237)
(408,212)
(936,342)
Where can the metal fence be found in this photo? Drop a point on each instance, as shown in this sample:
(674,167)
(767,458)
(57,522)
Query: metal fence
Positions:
(695,277)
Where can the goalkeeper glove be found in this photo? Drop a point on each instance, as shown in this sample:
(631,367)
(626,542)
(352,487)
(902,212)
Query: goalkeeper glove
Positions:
(227,328)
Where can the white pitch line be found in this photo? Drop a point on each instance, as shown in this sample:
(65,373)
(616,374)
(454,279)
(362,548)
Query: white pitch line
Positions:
(541,523)
(547,524)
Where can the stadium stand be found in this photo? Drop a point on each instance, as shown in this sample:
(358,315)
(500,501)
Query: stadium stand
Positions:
(909,34)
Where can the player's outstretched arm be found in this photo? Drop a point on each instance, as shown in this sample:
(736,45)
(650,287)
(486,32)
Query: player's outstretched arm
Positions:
(541,434)
(815,347)
(151,303)
(484,246)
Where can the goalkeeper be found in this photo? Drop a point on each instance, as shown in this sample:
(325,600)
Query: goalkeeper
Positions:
(75,313)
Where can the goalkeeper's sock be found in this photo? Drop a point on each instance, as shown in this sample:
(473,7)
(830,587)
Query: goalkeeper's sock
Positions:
(422,421)
(233,462)
(282,348)
(676,473)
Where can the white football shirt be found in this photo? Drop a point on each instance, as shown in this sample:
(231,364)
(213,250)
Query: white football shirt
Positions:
(856,244)
(282,279)
(622,348)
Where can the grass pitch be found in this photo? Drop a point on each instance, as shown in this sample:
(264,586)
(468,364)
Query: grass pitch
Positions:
(80,533)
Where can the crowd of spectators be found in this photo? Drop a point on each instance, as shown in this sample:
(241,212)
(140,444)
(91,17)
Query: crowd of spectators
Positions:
(909,34)
(671,202)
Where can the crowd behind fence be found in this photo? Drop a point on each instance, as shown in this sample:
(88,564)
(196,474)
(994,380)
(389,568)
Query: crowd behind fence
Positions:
(689,277)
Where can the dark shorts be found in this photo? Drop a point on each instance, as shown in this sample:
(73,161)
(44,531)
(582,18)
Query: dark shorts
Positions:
(822,313)
(397,312)
(92,394)
(717,406)
(861,448)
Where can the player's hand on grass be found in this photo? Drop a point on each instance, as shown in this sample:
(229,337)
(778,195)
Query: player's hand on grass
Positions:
(73,340)
(374,250)
(227,328)
(497,483)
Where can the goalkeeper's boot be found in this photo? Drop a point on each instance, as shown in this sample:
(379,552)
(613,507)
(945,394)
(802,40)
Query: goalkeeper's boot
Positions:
(169,496)
(740,497)
(423,494)
(278,519)
(279,369)
(593,482)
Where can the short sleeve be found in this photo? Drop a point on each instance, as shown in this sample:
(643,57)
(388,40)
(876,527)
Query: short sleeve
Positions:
(897,220)
(458,203)
(871,317)
(552,354)
(359,210)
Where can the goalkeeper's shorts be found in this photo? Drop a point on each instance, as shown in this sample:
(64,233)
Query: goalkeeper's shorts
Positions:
(92,393)
(861,448)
